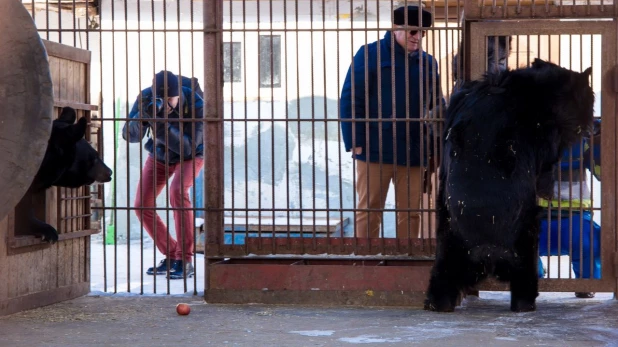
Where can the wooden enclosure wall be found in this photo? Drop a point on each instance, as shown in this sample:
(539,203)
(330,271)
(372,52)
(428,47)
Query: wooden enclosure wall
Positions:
(32,273)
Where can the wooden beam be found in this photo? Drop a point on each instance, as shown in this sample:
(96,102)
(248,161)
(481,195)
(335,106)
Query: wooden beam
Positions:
(44,298)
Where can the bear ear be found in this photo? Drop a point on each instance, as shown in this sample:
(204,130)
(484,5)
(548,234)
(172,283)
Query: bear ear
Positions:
(78,130)
(68,115)
(586,74)
(538,63)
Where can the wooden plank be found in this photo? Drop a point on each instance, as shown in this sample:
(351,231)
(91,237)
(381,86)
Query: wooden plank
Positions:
(78,87)
(29,271)
(55,49)
(84,90)
(70,80)
(75,105)
(27,302)
(63,255)
(75,260)
(26,241)
(82,259)
(20,266)
(87,253)
(54,67)
(53,268)
(63,79)
(79,234)
(42,280)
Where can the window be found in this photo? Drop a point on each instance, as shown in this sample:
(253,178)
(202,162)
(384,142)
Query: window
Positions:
(270,61)
(231,62)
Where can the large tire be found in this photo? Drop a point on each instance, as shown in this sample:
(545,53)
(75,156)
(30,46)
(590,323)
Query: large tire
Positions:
(26,99)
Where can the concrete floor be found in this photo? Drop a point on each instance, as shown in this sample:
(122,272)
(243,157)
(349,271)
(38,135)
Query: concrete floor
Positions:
(133,320)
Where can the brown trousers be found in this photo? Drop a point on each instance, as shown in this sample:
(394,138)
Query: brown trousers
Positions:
(372,183)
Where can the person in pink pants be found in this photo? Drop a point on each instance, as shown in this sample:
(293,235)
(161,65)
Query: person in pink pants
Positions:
(175,151)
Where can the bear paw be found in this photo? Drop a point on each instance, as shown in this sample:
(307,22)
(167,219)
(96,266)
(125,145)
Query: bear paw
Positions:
(523,305)
(440,306)
(48,234)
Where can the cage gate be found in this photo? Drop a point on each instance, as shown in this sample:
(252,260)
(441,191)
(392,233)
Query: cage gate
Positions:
(574,45)
(391,271)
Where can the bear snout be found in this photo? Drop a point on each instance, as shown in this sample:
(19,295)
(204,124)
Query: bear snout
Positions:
(102,173)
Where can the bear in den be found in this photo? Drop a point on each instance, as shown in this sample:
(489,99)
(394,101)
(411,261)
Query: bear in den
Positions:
(69,161)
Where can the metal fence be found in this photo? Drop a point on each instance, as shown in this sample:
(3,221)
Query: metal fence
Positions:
(277,181)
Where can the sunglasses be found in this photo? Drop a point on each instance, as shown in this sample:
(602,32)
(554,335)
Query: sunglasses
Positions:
(413,32)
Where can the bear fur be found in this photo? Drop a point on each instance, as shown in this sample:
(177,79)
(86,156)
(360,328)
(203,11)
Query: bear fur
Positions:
(86,169)
(503,136)
(69,161)
(61,149)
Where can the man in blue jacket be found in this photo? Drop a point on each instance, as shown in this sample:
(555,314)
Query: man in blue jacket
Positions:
(176,149)
(381,103)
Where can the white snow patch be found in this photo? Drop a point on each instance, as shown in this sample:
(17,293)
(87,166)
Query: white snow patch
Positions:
(314,332)
(369,339)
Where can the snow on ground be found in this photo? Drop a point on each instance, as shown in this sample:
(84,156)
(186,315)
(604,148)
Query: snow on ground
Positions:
(124,270)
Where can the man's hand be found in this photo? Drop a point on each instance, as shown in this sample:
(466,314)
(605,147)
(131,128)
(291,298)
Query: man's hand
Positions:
(155,107)
(357,151)
(151,110)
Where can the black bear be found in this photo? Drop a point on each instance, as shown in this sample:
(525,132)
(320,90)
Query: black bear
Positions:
(69,161)
(86,169)
(504,135)
(61,149)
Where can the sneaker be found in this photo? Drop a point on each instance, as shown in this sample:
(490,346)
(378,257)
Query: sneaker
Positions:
(179,269)
(584,295)
(162,268)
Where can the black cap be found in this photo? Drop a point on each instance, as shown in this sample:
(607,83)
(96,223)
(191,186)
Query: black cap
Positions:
(399,16)
(172,84)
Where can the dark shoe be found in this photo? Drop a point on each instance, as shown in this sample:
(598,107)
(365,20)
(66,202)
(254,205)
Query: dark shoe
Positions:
(584,295)
(162,268)
(180,268)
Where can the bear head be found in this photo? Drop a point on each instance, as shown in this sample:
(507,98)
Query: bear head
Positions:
(61,148)
(86,169)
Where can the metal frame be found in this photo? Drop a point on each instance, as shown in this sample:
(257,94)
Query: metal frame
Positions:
(525,9)
(608,30)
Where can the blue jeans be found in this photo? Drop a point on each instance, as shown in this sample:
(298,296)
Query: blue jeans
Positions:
(577,241)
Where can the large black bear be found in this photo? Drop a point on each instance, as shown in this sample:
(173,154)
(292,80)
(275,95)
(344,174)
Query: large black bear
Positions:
(86,169)
(69,161)
(61,149)
(503,136)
